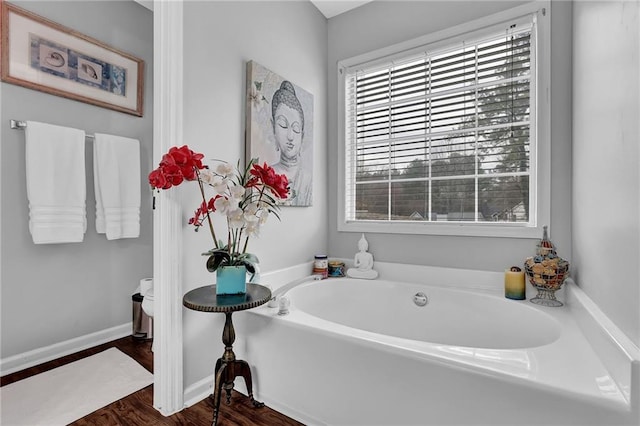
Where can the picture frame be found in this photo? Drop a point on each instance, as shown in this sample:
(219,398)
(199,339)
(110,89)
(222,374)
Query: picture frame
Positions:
(43,55)
(279,130)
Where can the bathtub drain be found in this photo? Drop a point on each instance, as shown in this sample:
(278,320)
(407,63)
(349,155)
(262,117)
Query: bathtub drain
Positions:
(420,299)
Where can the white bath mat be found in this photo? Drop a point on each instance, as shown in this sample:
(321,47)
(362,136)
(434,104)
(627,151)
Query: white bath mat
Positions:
(70,392)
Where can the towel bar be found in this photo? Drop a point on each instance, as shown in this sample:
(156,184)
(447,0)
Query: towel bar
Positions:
(21,125)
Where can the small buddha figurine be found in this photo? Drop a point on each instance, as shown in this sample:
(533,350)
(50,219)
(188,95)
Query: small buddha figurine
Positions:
(363,262)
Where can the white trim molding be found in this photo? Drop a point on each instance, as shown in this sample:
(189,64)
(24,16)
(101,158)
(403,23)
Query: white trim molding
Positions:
(537,14)
(168,392)
(47,353)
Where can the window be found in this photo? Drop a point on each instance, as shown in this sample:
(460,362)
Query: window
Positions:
(447,133)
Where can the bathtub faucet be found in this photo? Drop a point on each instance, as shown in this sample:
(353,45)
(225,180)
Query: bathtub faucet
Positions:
(280,292)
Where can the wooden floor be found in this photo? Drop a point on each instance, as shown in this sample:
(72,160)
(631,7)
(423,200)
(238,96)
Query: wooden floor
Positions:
(137,410)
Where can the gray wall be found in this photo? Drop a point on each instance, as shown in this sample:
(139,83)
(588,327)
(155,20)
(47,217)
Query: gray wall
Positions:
(289,38)
(52,293)
(384,23)
(606,158)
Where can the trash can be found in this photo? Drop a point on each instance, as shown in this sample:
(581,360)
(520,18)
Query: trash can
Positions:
(142,323)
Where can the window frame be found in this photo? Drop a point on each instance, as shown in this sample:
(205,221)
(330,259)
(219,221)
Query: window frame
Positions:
(540,156)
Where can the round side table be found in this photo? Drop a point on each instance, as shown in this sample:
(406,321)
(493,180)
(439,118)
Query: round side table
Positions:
(204,299)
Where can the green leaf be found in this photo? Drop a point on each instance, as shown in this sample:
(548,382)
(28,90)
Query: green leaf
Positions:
(249,260)
(249,257)
(217,259)
(250,267)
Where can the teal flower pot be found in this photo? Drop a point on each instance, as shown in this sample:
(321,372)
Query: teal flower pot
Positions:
(231,280)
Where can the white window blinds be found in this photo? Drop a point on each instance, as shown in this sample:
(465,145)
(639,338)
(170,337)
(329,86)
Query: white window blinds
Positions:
(444,135)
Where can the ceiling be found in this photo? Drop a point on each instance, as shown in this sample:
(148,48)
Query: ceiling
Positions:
(331,8)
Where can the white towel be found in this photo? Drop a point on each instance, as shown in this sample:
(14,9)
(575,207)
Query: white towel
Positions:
(116,169)
(56,183)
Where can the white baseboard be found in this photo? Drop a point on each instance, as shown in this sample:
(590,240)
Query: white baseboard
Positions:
(198,391)
(291,412)
(203,388)
(38,356)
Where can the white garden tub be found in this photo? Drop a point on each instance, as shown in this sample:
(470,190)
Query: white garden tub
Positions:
(362,352)
(450,317)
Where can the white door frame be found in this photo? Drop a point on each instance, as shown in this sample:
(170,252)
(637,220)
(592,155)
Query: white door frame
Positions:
(168,389)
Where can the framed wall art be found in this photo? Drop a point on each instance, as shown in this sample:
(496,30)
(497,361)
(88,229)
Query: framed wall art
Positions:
(279,125)
(40,54)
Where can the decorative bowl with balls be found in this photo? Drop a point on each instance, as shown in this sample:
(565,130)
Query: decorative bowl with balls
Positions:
(546,271)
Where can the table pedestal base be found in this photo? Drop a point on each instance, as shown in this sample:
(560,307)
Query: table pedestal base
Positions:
(227,369)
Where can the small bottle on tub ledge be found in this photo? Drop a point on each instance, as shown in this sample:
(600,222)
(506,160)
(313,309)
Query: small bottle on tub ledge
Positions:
(321,265)
(336,269)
